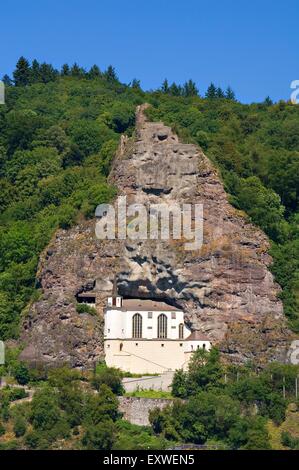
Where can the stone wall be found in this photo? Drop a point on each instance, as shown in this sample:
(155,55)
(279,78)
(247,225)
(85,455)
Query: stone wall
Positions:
(136,410)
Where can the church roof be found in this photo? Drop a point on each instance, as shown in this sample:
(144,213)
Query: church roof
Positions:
(197,336)
(147,305)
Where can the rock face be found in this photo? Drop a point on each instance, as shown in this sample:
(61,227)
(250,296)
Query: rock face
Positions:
(225,288)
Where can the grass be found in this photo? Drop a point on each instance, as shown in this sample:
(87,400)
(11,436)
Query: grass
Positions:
(290,425)
(150,394)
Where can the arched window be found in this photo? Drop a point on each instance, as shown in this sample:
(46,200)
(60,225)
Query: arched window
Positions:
(137,326)
(181,331)
(162,326)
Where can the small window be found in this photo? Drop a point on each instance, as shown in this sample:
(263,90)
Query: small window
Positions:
(149,327)
(162,326)
(192,346)
(173,327)
(121,347)
(162,345)
(173,315)
(181,331)
(137,326)
(150,315)
(136,344)
(108,345)
(204,346)
(181,344)
(108,330)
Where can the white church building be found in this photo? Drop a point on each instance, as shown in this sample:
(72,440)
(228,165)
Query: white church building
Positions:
(148,337)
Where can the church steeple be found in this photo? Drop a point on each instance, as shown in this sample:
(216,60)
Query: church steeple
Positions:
(114,291)
(115,300)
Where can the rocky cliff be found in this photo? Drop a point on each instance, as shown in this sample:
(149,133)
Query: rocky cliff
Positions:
(225,287)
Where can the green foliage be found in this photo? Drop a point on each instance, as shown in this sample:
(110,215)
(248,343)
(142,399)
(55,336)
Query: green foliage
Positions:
(204,372)
(9,394)
(20,426)
(132,437)
(101,406)
(45,411)
(59,134)
(99,437)
(110,377)
(21,373)
(229,404)
(289,441)
(85,308)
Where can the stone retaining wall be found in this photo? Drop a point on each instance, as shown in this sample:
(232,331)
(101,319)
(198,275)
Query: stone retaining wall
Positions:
(136,410)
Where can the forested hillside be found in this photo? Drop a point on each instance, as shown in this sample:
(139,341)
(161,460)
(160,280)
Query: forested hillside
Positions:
(60,130)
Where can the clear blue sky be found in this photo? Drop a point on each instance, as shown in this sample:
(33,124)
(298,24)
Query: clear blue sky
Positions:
(252,45)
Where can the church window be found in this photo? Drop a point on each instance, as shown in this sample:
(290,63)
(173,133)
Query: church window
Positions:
(137,326)
(162,326)
(181,331)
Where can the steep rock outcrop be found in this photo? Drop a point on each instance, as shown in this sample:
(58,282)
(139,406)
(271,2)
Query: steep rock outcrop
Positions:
(225,288)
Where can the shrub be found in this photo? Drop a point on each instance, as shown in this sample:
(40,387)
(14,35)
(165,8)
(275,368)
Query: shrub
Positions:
(85,308)
(108,376)
(99,437)
(20,426)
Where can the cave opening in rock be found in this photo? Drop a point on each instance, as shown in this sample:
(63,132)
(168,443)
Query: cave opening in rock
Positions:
(86,294)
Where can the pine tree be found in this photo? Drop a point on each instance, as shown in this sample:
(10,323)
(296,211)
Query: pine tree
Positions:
(47,73)
(110,74)
(268,101)
(77,71)
(22,72)
(94,72)
(220,93)
(211,92)
(65,70)
(7,80)
(190,89)
(35,72)
(230,94)
(175,90)
(136,84)
(165,87)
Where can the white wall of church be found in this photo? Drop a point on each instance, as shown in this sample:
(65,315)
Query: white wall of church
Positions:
(144,357)
(148,357)
(118,324)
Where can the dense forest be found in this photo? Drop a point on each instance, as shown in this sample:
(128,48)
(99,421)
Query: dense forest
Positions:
(59,131)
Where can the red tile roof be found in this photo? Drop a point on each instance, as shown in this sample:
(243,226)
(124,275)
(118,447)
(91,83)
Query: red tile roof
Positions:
(147,305)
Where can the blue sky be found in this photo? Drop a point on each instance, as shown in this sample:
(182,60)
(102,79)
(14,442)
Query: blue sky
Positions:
(251,45)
